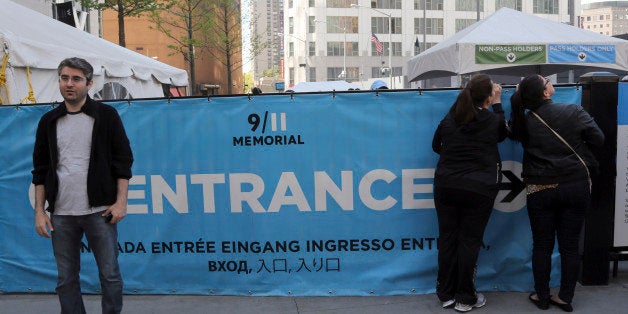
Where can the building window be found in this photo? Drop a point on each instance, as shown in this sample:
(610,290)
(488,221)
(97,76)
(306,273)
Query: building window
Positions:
(545,6)
(379,25)
(463,23)
(466,5)
(434,26)
(352,49)
(335,49)
(396,49)
(312,75)
(386,4)
(311,3)
(337,24)
(383,72)
(353,74)
(333,74)
(422,47)
(290,3)
(291,49)
(512,4)
(311,24)
(339,3)
(377,72)
(291,25)
(311,49)
(395,45)
(430,4)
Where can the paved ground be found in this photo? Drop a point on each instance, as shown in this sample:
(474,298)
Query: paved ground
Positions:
(612,298)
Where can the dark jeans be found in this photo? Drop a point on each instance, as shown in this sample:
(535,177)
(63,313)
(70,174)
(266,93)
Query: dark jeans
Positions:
(557,213)
(102,238)
(462,219)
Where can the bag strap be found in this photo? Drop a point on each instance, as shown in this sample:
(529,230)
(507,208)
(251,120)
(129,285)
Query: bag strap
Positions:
(567,144)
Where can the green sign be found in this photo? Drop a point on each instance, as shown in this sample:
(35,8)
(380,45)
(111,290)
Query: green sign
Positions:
(510,54)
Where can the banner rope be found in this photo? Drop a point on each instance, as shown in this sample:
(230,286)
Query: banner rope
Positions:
(31,94)
(3,80)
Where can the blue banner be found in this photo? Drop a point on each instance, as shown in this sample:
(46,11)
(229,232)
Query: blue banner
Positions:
(568,53)
(305,194)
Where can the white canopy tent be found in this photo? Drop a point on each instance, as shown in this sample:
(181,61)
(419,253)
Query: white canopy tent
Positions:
(326,86)
(31,40)
(510,42)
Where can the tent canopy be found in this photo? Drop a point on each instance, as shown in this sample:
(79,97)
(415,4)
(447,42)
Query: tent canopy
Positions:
(514,43)
(326,86)
(34,40)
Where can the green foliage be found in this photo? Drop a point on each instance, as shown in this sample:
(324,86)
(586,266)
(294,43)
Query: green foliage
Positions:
(129,7)
(271,72)
(249,83)
(124,8)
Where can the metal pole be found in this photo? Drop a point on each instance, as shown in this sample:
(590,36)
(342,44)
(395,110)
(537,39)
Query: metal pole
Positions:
(421,49)
(344,56)
(389,40)
(390,50)
(305,58)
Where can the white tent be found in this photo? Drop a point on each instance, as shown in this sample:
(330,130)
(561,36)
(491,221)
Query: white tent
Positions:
(31,40)
(513,43)
(326,86)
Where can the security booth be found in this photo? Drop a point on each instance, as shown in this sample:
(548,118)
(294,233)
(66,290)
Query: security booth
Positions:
(601,241)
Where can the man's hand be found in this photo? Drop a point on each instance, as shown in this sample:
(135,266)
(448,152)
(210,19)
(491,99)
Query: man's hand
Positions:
(117,211)
(42,223)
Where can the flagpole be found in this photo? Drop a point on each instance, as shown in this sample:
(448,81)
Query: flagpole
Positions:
(390,50)
(392,86)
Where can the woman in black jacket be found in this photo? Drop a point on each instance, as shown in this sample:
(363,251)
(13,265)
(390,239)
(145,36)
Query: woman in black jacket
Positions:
(557,163)
(465,186)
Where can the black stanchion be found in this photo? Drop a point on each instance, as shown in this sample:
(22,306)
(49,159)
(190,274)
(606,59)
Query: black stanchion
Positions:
(599,98)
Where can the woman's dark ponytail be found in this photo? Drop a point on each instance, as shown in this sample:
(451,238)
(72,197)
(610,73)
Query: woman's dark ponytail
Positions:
(529,95)
(479,88)
(517,118)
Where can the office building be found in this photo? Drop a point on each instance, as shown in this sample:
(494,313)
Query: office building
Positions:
(267,24)
(605,17)
(329,40)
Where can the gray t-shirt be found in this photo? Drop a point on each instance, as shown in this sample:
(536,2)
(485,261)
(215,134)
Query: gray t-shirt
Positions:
(74,141)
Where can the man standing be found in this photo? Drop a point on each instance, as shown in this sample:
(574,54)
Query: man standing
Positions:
(82,165)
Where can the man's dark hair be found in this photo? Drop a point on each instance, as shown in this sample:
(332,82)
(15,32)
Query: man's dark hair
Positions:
(77,63)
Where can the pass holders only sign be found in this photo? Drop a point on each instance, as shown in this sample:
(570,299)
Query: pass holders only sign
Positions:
(510,54)
(559,53)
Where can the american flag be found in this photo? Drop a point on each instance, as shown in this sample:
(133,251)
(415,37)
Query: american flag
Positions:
(378,44)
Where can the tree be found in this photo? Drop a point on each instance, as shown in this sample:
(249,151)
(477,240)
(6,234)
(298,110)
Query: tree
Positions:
(185,21)
(271,72)
(124,8)
(224,37)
